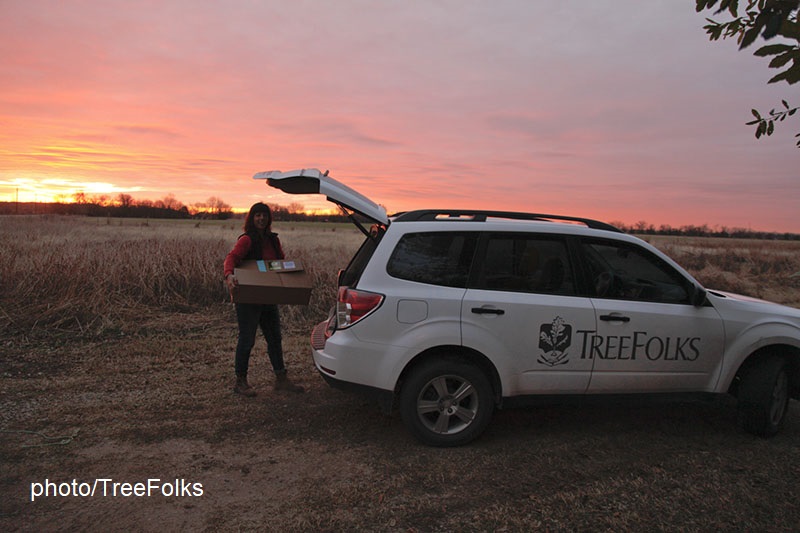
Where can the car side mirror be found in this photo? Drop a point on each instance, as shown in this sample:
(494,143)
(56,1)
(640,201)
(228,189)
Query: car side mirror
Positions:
(698,296)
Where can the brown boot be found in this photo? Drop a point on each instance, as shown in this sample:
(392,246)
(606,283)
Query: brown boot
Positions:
(283,383)
(242,387)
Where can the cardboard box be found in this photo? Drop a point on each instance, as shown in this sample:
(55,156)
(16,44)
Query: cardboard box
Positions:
(272,282)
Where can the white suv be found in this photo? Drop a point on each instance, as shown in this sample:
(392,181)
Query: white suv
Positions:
(450,314)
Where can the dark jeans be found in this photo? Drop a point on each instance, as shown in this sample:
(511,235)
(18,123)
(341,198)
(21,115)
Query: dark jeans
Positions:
(251,317)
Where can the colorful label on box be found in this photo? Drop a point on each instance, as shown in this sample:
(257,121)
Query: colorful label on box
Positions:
(272,266)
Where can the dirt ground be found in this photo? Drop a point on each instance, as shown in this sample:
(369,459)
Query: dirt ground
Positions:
(152,404)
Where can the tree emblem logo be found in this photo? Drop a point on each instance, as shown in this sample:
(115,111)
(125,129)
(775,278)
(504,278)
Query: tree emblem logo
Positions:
(554,339)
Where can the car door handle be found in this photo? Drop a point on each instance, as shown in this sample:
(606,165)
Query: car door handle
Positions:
(615,318)
(487,311)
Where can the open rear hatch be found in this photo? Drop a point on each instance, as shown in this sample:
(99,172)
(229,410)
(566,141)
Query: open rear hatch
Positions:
(312,181)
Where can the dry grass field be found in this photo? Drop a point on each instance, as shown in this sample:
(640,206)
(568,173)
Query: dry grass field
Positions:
(116,354)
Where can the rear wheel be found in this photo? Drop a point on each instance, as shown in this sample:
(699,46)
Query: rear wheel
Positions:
(764,397)
(446,403)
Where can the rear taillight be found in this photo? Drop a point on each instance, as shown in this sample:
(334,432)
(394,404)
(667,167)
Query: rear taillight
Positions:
(354,305)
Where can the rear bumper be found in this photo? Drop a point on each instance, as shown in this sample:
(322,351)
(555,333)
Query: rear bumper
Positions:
(347,358)
(331,366)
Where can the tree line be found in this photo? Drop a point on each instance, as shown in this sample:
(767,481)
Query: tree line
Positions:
(124,206)
(691,230)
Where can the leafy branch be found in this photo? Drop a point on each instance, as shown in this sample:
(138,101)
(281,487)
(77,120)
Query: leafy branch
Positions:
(768,19)
(765,126)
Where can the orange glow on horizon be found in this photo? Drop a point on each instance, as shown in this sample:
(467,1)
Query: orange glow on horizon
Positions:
(31,190)
(53,190)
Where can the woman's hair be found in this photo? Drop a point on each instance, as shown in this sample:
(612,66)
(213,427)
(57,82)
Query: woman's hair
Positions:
(259,207)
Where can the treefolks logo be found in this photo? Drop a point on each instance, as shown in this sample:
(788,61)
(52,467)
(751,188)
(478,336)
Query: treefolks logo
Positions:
(554,339)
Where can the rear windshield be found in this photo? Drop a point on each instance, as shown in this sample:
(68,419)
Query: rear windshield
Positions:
(351,275)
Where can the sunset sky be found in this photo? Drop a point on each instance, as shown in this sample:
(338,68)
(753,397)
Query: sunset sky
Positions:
(617,110)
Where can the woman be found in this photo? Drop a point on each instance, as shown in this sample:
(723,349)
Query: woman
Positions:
(257,242)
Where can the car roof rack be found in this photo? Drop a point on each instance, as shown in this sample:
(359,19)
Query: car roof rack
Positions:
(481,216)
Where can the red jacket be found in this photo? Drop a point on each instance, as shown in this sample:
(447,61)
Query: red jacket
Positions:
(241,251)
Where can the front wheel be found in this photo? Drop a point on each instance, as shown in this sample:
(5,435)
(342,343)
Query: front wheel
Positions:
(764,397)
(446,403)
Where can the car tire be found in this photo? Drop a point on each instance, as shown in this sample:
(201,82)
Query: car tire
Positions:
(446,402)
(764,397)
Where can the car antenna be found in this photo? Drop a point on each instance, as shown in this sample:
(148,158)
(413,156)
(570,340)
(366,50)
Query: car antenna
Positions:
(326,173)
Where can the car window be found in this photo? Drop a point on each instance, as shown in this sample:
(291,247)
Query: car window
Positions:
(625,271)
(349,276)
(523,262)
(437,258)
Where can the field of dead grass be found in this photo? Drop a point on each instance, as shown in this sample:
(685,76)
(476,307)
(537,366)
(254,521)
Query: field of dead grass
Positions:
(116,340)
(86,276)
(767,269)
